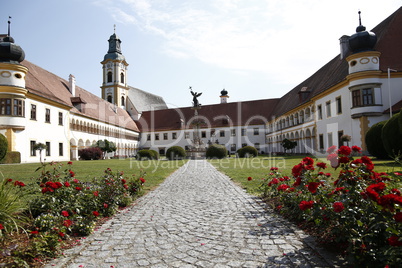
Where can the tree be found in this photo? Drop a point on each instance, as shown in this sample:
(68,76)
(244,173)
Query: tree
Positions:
(374,142)
(106,146)
(40,146)
(3,146)
(391,136)
(288,144)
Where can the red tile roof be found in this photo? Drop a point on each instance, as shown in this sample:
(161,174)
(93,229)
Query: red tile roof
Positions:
(218,115)
(48,85)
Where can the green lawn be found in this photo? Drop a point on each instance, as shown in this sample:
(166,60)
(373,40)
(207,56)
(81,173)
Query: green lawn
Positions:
(156,170)
(239,169)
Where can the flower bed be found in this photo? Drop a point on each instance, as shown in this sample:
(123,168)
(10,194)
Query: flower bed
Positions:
(360,209)
(60,206)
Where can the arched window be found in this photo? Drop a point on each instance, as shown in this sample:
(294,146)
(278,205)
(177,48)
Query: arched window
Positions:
(109,99)
(122,78)
(122,101)
(109,77)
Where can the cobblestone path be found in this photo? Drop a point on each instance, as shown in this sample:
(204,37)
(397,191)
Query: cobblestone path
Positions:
(197,218)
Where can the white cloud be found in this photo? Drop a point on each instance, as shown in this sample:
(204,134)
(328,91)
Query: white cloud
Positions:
(283,39)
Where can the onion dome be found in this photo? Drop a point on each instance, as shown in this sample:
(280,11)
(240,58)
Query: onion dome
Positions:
(362,40)
(114,52)
(11,52)
(224,93)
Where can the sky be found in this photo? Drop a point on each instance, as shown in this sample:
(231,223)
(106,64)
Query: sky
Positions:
(255,49)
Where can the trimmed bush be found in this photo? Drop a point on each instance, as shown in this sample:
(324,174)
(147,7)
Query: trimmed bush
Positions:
(216,151)
(92,153)
(3,146)
(247,151)
(374,143)
(175,152)
(11,158)
(391,135)
(147,154)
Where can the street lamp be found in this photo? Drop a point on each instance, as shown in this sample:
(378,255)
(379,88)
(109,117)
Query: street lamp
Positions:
(389,90)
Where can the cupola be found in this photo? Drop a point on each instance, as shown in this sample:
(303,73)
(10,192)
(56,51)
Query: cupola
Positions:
(362,40)
(224,96)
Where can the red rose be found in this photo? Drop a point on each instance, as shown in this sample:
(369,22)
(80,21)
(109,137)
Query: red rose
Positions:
(123,181)
(273,181)
(95,213)
(67,223)
(297,169)
(142,180)
(34,232)
(96,193)
(273,168)
(67,184)
(304,205)
(338,206)
(78,188)
(394,241)
(61,234)
(72,174)
(1,227)
(356,149)
(105,205)
(398,217)
(249,178)
(69,163)
(344,150)
(308,161)
(283,187)
(297,182)
(65,213)
(321,165)
(312,187)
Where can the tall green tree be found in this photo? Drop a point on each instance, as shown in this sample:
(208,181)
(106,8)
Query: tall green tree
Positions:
(106,146)
(288,144)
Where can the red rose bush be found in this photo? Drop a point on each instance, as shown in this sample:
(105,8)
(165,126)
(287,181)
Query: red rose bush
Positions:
(361,209)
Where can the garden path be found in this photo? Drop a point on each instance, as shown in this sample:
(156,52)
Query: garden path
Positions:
(197,218)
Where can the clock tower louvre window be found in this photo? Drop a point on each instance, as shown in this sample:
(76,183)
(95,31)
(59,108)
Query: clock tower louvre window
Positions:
(109,77)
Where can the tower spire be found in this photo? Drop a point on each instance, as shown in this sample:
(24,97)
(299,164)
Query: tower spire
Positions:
(360,28)
(9,23)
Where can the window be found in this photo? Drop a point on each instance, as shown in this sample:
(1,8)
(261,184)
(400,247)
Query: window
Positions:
(47,148)
(338,105)
(340,134)
(165,136)
(256,131)
(233,147)
(328,108)
(110,98)
(222,133)
(33,111)
(33,151)
(212,132)
(356,101)
(109,77)
(257,146)
(18,109)
(47,115)
(330,142)
(60,118)
(156,136)
(362,97)
(319,112)
(61,151)
(243,132)
(367,96)
(321,141)
(174,135)
(5,106)
(233,132)
(203,134)
(122,78)
(186,135)
(122,101)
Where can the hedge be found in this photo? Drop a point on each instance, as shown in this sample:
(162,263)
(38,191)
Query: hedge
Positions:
(247,151)
(374,143)
(216,151)
(175,152)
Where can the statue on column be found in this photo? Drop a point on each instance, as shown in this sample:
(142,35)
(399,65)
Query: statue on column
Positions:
(195,100)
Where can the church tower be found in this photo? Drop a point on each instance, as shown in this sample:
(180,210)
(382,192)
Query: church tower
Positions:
(114,87)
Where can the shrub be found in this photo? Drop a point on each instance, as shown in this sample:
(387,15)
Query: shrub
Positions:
(3,146)
(216,151)
(360,209)
(147,154)
(175,152)
(11,158)
(92,153)
(391,135)
(374,143)
(247,151)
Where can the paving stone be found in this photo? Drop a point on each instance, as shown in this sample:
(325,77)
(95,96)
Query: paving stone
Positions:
(197,218)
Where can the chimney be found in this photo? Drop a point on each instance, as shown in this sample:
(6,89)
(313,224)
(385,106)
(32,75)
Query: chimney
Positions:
(344,46)
(71,85)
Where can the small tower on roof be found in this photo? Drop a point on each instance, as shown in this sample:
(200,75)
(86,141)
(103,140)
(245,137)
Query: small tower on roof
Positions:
(224,96)
(114,86)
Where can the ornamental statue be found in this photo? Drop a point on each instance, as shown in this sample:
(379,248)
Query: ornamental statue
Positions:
(195,100)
